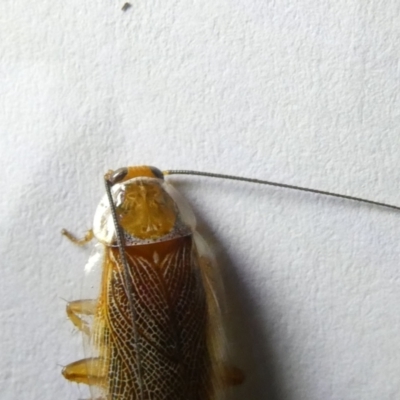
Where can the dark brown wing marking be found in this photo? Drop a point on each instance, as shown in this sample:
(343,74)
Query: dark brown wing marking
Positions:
(171,311)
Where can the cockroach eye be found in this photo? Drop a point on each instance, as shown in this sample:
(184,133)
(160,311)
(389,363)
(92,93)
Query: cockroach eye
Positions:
(157,173)
(118,175)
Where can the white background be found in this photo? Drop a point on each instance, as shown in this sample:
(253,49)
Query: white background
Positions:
(304,92)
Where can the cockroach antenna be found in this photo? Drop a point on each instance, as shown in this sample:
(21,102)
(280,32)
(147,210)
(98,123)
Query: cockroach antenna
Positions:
(282,185)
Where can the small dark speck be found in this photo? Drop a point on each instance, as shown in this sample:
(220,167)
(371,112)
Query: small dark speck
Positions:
(126,6)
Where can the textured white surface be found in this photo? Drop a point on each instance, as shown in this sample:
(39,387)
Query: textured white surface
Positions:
(305,92)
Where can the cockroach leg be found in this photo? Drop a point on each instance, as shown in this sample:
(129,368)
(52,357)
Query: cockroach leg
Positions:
(89,371)
(80,242)
(81,307)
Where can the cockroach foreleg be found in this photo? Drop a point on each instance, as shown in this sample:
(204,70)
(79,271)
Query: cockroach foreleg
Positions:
(89,371)
(81,307)
(80,242)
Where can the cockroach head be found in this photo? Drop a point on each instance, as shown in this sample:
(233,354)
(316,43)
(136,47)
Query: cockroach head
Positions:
(124,174)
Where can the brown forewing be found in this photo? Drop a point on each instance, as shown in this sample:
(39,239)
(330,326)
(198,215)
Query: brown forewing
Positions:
(171,318)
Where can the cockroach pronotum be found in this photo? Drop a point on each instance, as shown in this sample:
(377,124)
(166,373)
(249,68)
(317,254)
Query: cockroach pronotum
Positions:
(155,328)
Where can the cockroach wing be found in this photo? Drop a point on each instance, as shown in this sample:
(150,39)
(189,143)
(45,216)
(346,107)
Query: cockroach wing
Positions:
(177,316)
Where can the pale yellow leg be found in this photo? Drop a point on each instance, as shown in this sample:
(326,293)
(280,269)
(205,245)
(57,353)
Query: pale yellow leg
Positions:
(81,307)
(89,371)
(80,242)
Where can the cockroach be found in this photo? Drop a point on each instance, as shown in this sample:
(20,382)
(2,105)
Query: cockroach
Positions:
(155,328)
